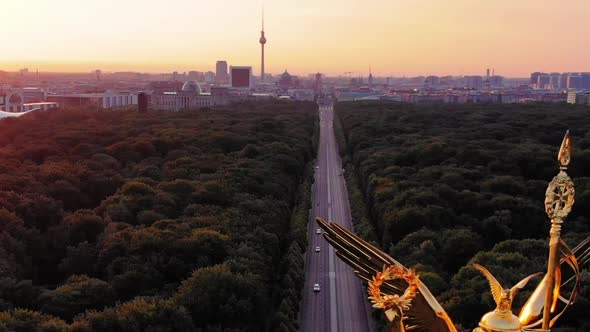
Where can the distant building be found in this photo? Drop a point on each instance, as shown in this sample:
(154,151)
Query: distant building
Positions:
(301,94)
(432,81)
(34,95)
(574,81)
(318,83)
(286,80)
(189,96)
(544,81)
(585,84)
(209,77)
(473,82)
(103,100)
(241,77)
(42,106)
(14,102)
(550,81)
(221,75)
(196,76)
(496,81)
(563,81)
(554,80)
(15,98)
(578,97)
(161,86)
(535,79)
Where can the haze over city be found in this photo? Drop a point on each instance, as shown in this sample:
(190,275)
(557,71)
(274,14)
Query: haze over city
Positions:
(394,38)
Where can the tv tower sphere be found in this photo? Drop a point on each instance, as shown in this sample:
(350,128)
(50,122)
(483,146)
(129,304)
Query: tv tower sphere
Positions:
(262,42)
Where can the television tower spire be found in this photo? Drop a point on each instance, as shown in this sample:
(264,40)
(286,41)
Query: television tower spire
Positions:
(262,41)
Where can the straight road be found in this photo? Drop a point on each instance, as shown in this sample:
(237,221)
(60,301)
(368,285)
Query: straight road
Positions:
(341,303)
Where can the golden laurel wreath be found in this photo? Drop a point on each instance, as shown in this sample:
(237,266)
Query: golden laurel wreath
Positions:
(388,302)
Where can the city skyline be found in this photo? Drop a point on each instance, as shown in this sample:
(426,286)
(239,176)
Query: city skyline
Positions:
(396,39)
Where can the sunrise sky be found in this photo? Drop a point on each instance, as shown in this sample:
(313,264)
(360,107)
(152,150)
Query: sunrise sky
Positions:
(394,37)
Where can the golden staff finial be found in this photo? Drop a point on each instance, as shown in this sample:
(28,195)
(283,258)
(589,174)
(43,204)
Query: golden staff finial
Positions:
(565,152)
(559,199)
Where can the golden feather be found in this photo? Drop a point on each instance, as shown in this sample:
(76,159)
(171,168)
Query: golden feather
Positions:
(495,286)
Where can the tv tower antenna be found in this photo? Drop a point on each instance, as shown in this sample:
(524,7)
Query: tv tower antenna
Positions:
(262,41)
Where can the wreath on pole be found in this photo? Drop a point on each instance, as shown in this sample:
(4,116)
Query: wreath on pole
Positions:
(393,305)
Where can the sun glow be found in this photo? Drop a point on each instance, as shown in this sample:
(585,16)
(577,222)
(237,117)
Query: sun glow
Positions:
(333,36)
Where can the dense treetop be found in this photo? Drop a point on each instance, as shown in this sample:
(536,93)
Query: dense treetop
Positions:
(447,185)
(166,221)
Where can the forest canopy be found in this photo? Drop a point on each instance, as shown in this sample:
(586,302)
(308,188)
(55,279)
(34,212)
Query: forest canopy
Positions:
(443,186)
(166,221)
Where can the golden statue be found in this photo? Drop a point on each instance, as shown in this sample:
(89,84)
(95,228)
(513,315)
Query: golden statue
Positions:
(409,306)
(502,316)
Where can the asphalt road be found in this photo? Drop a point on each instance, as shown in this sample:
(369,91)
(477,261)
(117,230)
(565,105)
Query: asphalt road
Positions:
(341,304)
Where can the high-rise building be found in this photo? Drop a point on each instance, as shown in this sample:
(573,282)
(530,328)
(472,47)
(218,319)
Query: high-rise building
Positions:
(221,75)
(473,82)
(496,81)
(195,75)
(574,81)
(554,80)
(563,81)
(585,81)
(240,76)
(535,79)
(432,81)
(209,77)
(544,81)
(262,41)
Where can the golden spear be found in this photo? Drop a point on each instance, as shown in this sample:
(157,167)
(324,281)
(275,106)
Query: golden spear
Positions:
(559,199)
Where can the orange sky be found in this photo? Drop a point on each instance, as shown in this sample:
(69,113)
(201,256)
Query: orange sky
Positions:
(394,37)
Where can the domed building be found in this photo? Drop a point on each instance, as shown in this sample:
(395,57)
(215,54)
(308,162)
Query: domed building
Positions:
(191,87)
(189,96)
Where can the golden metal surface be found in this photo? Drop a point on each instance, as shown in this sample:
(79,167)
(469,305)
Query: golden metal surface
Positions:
(559,199)
(419,309)
(502,318)
(499,321)
(424,313)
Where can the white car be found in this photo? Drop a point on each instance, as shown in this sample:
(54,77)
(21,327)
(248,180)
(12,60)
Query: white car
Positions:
(317,249)
(316,287)
(318,231)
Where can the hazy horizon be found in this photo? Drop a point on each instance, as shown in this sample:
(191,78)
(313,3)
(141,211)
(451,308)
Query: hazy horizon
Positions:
(411,38)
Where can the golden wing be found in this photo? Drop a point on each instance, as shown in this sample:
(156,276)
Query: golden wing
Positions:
(424,314)
(521,284)
(495,286)
(579,257)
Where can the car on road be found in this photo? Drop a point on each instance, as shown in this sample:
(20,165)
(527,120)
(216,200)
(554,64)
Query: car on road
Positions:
(316,287)
(317,249)
(318,231)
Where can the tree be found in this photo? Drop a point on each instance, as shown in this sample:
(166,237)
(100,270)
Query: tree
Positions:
(80,293)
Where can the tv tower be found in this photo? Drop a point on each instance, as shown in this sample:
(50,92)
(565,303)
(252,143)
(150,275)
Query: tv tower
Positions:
(262,42)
